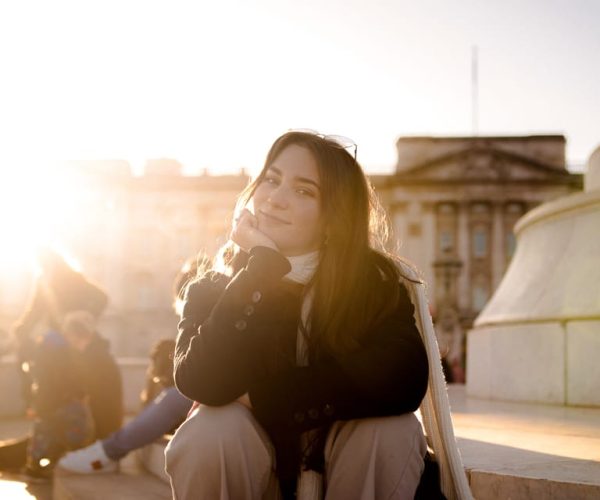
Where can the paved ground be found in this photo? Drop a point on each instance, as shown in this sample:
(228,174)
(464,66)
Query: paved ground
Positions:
(13,487)
(511,450)
(528,447)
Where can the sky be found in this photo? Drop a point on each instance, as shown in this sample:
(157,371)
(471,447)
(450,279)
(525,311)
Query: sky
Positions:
(212,84)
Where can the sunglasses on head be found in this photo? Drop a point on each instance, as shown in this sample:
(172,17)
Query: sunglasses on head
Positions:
(337,140)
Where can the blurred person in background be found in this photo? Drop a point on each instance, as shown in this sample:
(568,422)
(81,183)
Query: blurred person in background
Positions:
(77,397)
(58,290)
(65,368)
(164,406)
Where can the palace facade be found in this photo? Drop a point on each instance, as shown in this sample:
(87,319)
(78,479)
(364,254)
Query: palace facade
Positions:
(452,202)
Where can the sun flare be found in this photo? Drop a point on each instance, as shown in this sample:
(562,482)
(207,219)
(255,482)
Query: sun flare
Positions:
(37,206)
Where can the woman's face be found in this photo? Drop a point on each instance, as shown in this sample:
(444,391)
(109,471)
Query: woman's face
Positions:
(287,202)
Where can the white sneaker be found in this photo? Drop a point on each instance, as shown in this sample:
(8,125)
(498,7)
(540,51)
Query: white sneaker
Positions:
(89,460)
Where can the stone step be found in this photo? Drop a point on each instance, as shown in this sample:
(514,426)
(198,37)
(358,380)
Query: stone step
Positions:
(132,482)
(510,450)
(486,485)
(493,486)
(527,451)
(494,472)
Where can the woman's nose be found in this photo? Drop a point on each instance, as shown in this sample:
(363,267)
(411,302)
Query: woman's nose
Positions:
(279,197)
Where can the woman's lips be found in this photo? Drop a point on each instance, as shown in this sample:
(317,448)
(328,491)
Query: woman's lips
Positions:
(273,218)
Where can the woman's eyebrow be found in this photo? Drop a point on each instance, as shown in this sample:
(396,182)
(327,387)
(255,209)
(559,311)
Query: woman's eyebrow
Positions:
(274,169)
(305,180)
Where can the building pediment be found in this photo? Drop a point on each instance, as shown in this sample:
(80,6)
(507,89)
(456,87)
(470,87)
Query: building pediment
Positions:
(482,165)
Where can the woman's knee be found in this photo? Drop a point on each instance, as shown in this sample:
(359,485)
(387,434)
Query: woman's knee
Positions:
(382,457)
(383,429)
(220,452)
(215,431)
(397,436)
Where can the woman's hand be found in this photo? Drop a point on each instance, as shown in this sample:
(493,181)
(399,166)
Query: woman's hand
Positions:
(246,234)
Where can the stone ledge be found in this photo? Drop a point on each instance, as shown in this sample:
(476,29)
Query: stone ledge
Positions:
(491,486)
(510,450)
(527,451)
(131,483)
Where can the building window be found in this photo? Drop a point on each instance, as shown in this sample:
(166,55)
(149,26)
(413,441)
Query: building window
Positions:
(446,241)
(446,228)
(514,208)
(480,242)
(479,294)
(511,245)
(446,209)
(480,208)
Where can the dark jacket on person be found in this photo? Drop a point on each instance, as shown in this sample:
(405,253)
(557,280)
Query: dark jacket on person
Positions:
(100,379)
(63,375)
(238,335)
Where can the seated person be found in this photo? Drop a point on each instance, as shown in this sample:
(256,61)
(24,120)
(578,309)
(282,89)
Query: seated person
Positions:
(98,371)
(301,346)
(165,411)
(77,393)
(160,416)
(58,290)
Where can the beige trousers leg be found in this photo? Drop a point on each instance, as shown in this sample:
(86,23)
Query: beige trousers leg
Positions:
(223,453)
(375,458)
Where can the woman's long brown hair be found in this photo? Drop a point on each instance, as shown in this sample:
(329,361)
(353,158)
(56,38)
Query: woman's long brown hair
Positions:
(356,282)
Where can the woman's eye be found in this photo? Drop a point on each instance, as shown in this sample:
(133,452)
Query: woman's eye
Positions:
(270,180)
(305,192)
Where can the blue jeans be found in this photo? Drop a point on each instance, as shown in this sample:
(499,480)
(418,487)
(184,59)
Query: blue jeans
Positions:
(70,427)
(162,415)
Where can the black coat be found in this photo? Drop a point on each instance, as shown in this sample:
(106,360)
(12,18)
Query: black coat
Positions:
(238,335)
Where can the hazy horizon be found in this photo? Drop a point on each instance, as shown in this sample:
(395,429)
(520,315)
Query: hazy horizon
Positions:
(211,84)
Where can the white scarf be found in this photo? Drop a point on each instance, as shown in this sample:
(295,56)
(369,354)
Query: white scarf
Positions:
(303,269)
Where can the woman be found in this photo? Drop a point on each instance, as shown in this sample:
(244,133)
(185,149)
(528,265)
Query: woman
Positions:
(302,349)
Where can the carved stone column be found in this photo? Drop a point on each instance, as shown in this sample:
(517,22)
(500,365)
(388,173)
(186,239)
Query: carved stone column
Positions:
(498,245)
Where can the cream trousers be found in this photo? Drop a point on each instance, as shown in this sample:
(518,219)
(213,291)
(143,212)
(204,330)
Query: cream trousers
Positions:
(223,453)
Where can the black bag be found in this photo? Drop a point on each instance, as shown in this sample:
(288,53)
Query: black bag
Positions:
(429,486)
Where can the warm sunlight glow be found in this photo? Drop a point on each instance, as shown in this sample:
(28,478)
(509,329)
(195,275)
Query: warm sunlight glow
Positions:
(212,83)
(38,205)
(15,490)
